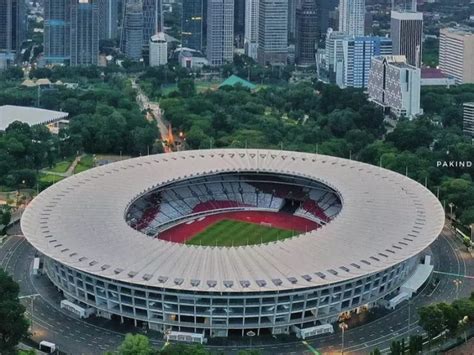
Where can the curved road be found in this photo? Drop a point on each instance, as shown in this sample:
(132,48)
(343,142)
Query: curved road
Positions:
(96,336)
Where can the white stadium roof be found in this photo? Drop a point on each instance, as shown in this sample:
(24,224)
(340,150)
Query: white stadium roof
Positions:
(385,219)
(30,115)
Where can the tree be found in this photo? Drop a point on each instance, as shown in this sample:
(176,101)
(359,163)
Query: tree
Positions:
(396,348)
(376,351)
(431,320)
(135,344)
(184,349)
(13,324)
(5,215)
(186,87)
(415,344)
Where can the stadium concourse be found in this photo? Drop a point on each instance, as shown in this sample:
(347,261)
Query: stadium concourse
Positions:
(186,231)
(111,240)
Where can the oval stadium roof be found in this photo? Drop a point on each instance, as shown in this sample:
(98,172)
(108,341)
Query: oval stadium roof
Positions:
(386,218)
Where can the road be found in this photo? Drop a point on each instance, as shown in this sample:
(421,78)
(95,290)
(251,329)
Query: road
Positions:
(154,113)
(96,336)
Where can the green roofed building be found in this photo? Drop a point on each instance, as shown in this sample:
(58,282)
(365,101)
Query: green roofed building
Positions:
(235,80)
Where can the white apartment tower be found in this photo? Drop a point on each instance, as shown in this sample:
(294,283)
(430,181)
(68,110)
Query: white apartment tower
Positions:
(456,53)
(395,85)
(352,17)
(251,28)
(158,50)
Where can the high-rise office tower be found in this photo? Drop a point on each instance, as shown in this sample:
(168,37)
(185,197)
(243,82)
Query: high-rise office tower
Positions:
(192,24)
(407,35)
(132,31)
(352,17)
(324,9)
(395,85)
(56,31)
(239,22)
(152,19)
(358,54)
(12,26)
(151,13)
(108,19)
(272,32)
(251,28)
(456,50)
(292,6)
(220,31)
(307,32)
(84,32)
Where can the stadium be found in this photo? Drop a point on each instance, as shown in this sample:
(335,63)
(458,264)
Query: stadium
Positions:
(221,242)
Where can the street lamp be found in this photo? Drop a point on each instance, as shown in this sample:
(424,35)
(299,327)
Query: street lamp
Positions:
(457,283)
(451,205)
(462,323)
(343,327)
(251,334)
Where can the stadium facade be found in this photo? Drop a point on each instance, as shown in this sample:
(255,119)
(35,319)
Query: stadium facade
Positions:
(99,235)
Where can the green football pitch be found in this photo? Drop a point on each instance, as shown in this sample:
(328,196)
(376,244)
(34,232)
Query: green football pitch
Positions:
(235,233)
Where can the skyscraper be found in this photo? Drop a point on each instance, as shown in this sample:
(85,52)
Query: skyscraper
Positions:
(220,31)
(358,54)
(324,8)
(307,32)
(352,17)
(251,28)
(239,22)
(292,5)
(12,26)
(108,19)
(84,32)
(151,22)
(456,51)
(192,24)
(56,31)
(395,85)
(407,35)
(132,31)
(152,19)
(272,32)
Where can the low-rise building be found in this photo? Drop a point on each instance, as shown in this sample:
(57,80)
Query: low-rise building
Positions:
(435,77)
(31,115)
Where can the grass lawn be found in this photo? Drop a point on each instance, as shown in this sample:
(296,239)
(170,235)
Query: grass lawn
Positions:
(235,233)
(86,163)
(50,178)
(61,167)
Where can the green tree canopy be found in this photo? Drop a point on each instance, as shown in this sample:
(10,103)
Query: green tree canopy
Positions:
(13,324)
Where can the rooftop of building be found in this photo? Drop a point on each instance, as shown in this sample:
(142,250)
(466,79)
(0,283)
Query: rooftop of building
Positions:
(236,80)
(460,30)
(386,218)
(395,60)
(30,115)
(432,73)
